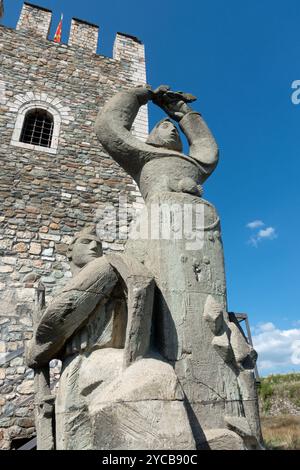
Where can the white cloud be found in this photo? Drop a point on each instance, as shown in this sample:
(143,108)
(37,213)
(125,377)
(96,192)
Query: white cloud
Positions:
(296,352)
(278,350)
(266,327)
(255,224)
(268,233)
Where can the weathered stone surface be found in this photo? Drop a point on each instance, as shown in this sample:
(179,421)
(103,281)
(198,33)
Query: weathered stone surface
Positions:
(25,422)
(25,269)
(222,439)
(133,384)
(238,425)
(5,422)
(31,277)
(213,314)
(20,247)
(26,388)
(222,346)
(17,361)
(35,248)
(48,252)
(244,354)
(9,260)
(50,236)
(133,426)
(6,269)
(104,386)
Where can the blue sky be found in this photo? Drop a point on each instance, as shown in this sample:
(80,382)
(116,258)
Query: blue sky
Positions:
(239,59)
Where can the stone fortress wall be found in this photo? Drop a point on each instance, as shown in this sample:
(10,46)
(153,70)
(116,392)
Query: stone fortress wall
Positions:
(48,194)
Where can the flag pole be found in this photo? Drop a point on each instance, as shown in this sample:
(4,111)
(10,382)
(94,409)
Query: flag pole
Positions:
(57,36)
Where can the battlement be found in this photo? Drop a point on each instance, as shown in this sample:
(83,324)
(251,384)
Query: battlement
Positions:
(36,19)
(83,34)
(128,51)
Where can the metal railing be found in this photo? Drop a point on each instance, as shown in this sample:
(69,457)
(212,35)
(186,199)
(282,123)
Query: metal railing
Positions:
(243,317)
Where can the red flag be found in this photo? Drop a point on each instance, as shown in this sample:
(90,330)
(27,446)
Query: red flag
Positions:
(57,36)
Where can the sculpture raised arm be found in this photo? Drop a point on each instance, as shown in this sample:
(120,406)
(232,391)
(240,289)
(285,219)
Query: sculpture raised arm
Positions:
(113,130)
(203,147)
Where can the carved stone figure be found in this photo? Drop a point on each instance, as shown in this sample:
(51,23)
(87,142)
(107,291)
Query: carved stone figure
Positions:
(100,325)
(151,358)
(192,329)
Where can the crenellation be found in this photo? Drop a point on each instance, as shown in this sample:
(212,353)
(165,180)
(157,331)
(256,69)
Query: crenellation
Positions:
(130,51)
(84,35)
(35,19)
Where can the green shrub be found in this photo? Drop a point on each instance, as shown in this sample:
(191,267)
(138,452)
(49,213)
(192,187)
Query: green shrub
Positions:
(280,386)
(266,390)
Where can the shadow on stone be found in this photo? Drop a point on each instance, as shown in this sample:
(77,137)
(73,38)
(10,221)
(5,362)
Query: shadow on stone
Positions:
(199,436)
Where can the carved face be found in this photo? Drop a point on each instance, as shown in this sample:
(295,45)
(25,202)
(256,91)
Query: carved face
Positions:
(85,249)
(165,135)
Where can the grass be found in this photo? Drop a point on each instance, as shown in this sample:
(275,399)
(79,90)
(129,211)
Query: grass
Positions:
(281,432)
(279,387)
(280,397)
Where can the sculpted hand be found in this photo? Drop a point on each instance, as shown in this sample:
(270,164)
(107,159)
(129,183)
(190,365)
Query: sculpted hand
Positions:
(173,103)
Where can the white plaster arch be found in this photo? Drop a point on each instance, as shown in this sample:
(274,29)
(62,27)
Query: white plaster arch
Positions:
(21,104)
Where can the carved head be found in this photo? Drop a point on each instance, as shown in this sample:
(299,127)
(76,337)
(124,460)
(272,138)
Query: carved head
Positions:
(85,247)
(166,135)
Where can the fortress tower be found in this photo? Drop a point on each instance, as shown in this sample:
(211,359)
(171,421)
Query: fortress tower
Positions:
(54,176)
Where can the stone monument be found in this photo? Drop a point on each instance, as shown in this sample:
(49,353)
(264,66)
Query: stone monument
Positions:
(151,358)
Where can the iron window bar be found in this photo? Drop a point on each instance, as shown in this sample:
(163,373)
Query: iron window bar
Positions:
(37,128)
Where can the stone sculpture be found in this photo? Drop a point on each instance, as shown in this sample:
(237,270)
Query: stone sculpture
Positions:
(151,358)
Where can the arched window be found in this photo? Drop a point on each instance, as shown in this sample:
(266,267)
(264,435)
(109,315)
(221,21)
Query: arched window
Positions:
(37,128)
(38,121)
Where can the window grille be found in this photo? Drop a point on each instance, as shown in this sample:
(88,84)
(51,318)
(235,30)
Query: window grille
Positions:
(37,128)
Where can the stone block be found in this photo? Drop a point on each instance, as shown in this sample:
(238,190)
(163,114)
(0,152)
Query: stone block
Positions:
(26,388)
(35,248)
(9,260)
(20,247)
(6,269)
(221,439)
(50,236)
